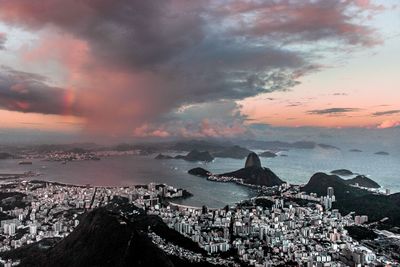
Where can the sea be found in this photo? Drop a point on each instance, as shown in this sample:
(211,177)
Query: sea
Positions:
(294,166)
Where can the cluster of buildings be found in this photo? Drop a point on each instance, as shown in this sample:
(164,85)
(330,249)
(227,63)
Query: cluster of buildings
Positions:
(281,233)
(53,210)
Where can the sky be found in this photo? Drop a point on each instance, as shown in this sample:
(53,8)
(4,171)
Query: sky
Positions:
(195,69)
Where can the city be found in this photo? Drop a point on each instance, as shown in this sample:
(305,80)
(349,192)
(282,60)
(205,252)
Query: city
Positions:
(264,231)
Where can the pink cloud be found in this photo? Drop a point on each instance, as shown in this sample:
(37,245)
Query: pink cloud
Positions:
(388,124)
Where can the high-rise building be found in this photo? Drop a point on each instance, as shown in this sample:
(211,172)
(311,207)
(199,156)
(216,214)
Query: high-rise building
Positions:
(330,192)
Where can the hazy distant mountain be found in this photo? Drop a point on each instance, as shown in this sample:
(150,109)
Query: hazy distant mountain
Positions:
(234,152)
(196,155)
(268,154)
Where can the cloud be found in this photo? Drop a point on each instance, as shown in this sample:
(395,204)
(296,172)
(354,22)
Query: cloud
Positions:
(27,92)
(131,63)
(387,112)
(3,39)
(305,21)
(388,124)
(332,111)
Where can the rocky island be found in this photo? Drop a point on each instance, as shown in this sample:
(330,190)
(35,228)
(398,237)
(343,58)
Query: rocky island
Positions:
(382,153)
(252,174)
(193,155)
(268,154)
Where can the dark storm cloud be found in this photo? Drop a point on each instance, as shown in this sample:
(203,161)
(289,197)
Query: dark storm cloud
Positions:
(387,112)
(169,53)
(332,111)
(27,92)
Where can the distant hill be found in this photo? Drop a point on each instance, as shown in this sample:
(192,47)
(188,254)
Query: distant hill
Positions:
(355,150)
(199,172)
(235,152)
(196,155)
(319,183)
(352,199)
(268,154)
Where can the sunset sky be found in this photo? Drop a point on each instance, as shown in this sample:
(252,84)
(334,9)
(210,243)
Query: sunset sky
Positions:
(198,68)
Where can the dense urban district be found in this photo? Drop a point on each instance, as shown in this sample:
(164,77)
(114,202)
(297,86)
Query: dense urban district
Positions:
(329,221)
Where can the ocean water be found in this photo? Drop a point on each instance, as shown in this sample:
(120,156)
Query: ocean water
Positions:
(297,167)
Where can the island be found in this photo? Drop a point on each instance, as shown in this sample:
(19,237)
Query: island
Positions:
(355,150)
(253,174)
(193,156)
(268,154)
(382,153)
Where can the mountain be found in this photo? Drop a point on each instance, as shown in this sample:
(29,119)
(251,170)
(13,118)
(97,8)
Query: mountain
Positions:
(199,172)
(196,155)
(376,207)
(320,182)
(256,175)
(104,238)
(252,160)
(235,152)
(363,181)
(268,154)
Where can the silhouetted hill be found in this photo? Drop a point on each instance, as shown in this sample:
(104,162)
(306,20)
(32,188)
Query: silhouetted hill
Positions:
(199,172)
(101,239)
(235,152)
(376,207)
(256,175)
(104,238)
(363,181)
(320,182)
